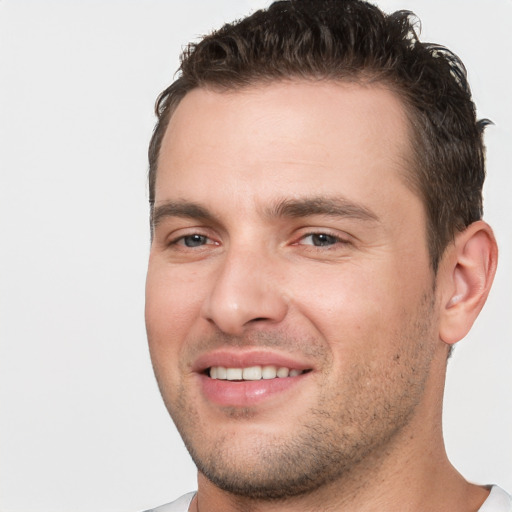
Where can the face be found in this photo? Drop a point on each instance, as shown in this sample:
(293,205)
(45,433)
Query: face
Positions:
(290,306)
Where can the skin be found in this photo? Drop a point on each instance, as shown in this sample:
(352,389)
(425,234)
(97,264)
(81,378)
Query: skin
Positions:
(284,226)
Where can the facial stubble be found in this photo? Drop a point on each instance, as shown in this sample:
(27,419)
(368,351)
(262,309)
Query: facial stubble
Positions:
(352,423)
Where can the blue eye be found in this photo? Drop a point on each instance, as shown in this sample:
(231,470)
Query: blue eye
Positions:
(320,240)
(194,240)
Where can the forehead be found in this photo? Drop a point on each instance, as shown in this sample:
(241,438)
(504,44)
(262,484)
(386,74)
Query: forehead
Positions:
(285,135)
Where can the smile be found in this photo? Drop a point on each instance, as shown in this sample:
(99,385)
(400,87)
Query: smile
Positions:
(250,377)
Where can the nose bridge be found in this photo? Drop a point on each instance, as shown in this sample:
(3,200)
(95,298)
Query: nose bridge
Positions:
(245,290)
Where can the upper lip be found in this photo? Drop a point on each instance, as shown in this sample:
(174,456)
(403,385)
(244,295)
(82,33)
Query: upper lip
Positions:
(230,358)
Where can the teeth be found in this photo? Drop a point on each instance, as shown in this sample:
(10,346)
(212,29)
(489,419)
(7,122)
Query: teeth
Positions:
(234,373)
(268,372)
(253,372)
(283,372)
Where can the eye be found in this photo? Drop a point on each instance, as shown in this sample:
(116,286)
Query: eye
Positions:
(194,240)
(320,240)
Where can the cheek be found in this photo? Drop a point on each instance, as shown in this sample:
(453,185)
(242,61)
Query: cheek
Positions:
(358,308)
(173,303)
(334,297)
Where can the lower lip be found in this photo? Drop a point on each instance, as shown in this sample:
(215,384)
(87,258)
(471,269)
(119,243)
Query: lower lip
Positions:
(246,393)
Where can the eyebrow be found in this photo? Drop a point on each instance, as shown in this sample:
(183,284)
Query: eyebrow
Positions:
(291,208)
(327,206)
(184,209)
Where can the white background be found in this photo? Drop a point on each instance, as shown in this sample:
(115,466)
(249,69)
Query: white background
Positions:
(82,427)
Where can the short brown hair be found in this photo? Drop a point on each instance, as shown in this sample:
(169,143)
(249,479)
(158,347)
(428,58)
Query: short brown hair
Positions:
(354,40)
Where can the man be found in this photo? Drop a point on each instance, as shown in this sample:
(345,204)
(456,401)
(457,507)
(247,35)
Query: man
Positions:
(317,249)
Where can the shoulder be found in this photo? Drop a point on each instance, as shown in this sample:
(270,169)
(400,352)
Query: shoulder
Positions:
(180,505)
(498,501)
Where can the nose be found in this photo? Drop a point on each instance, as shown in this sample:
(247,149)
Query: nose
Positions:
(246,291)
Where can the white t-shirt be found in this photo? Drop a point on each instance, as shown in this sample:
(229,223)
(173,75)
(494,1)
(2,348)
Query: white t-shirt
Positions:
(180,505)
(497,501)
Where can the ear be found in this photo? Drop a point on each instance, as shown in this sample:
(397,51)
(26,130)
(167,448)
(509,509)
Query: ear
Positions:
(467,271)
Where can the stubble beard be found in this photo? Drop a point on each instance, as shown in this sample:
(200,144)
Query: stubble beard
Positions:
(351,426)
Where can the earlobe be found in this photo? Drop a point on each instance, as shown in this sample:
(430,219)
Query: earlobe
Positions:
(467,273)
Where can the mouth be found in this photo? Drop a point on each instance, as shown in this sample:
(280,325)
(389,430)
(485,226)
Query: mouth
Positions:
(250,378)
